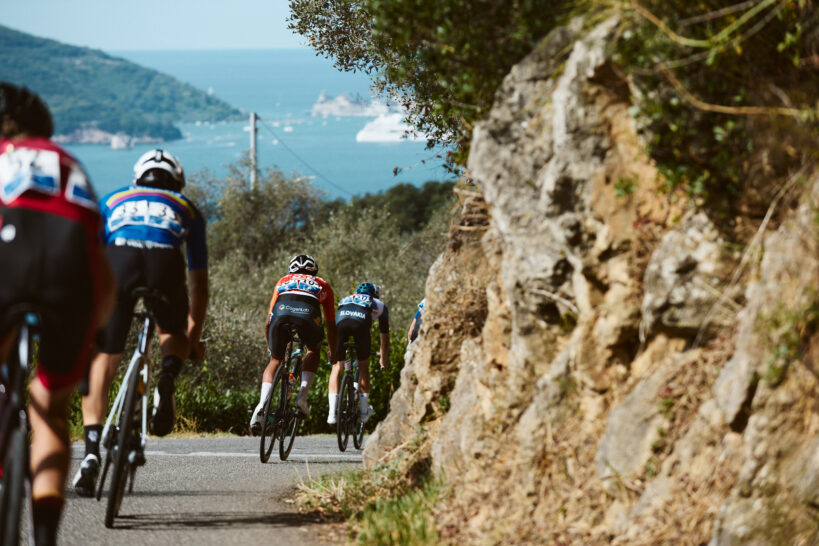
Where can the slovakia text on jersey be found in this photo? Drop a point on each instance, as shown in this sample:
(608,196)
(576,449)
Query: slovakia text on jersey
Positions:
(364,307)
(154,216)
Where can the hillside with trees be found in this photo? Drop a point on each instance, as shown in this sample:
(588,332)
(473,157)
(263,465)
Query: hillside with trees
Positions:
(89,89)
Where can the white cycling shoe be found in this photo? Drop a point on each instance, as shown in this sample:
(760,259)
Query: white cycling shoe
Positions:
(331,418)
(85,480)
(256,421)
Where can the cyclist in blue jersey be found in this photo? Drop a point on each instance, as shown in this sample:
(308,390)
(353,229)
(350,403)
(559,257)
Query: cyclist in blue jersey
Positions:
(353,319)
(415,327)
(146,225)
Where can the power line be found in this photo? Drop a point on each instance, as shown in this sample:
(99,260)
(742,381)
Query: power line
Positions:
(266,125)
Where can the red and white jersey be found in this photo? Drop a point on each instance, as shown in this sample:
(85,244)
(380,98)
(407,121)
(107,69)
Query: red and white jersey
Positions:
(37,174)
(306,285)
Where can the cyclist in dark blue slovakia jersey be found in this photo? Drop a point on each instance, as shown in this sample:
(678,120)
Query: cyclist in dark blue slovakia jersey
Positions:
(353,319)
(146,225)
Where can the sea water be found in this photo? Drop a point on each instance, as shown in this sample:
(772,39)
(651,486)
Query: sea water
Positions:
(281,86)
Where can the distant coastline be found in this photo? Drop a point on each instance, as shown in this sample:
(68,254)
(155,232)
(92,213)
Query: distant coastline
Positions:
(96,98)
(114,140)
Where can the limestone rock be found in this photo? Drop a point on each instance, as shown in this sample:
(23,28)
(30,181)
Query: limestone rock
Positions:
(683,278)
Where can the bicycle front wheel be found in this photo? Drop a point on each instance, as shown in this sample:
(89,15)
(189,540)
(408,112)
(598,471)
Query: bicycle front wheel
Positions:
(271,417)
(15,469)
(120,466)
(345,412)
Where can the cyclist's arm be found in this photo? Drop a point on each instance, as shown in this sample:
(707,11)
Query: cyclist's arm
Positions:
(384,359)
(196,244)
(270,309)
(199,293)
(328,307)
(384,330)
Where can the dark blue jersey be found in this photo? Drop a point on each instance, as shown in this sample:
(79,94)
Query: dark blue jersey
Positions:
(362,307)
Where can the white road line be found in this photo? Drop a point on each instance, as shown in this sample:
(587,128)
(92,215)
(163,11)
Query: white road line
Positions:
(293,456)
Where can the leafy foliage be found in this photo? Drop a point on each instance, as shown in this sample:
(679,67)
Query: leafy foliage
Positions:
(389,503)
(442,60)
(252,235)
(258,221)
(88,88)
(717,85)
(725,92)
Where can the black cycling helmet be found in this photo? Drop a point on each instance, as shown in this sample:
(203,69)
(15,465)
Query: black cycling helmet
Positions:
(159,169)
(26,110)
(368,288)
(303,264)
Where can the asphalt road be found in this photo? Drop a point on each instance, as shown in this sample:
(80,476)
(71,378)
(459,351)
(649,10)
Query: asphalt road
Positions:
(209,491)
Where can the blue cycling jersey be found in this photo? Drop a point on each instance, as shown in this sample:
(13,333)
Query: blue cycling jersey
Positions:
(160,218)
(420,310)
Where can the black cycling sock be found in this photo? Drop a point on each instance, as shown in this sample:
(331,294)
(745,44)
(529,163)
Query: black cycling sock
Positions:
(46,512)
(171,365)
(92,439)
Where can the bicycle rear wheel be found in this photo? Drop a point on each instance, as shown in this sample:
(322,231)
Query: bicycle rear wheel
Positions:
(120,466)
(271,417)
(290,413)
(346,406)
(15,470)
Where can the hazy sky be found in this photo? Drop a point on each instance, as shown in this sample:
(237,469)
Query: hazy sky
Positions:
(113,25)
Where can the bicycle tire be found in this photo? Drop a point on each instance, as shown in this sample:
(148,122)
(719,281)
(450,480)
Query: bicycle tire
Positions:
(271,418)
(15,470)
(358,426)
(119,472)
(290,414)
(345,408)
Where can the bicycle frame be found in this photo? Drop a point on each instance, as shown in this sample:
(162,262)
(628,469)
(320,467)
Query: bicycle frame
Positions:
(139,364)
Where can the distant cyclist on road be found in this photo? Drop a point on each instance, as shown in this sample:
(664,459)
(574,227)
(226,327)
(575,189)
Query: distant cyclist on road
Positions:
(354,318)
(146,225)
(50,256)
(415,327)
(295,303)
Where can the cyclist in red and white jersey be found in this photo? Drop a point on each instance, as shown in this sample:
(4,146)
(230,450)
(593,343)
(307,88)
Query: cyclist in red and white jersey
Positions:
(51,256)
(298,300)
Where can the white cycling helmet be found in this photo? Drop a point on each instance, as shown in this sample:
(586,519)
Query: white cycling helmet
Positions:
(303,264)
(159,169)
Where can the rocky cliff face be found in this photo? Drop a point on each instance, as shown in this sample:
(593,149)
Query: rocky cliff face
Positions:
(596,364)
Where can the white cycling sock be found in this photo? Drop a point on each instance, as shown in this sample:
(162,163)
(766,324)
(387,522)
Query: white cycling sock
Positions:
(364,396)
(307,380)
(333,399)
(265,391)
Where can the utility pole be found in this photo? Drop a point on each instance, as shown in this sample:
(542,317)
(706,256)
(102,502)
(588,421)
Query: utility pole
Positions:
(252,150)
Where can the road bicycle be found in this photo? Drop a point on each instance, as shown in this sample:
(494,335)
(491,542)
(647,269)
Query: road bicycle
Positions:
(15,484)
(125,432)
(280,415)
(348,414)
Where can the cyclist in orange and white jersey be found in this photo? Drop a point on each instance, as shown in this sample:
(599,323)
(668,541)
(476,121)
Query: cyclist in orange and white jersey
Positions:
(298,301)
